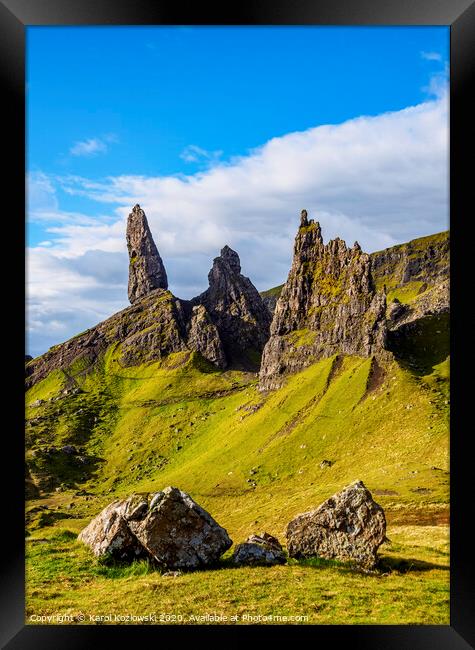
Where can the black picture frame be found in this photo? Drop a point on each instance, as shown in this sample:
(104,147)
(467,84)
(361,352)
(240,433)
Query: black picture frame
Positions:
(15,15)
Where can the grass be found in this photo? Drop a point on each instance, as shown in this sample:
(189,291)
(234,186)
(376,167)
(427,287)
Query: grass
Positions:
(62,579)
(253,461)
(275,291)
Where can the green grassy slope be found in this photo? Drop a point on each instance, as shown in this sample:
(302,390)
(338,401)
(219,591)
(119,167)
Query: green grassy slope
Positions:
(252,460)
(244,454)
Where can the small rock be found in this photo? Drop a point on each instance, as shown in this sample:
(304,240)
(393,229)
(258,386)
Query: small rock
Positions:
(172,574)
(326,463)
(69,449)
(263,550)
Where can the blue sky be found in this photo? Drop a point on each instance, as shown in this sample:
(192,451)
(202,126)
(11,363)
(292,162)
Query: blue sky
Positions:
(191,122)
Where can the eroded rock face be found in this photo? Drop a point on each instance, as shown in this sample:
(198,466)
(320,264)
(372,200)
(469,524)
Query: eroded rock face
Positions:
(167,527)
(328,305)
(348,526)
(146,270)
(204,337)
(236,308)
(259,550)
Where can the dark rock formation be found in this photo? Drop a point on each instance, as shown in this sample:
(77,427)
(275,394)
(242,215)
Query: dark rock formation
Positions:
(146,270)
(328,305)
(348,526)
(263,550)
(167,527)
(204,337)
(28,358)
(227,323)
(424,260)
(236,308)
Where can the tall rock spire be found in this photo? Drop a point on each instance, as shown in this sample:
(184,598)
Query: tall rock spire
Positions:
(146,270)
(236,309)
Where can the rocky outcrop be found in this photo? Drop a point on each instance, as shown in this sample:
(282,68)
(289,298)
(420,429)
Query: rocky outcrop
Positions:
(259,550)
(348,526)
(236,309)
(203,336)
(424,260)
(228,323)
(146,270)
(168,527)
(328,305)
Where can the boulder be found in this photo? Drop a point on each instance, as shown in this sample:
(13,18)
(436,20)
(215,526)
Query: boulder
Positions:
(178,533)
(263,549)
(348,526)
(109,534)
(167,527)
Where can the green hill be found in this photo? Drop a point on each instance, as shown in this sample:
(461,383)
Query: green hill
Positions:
(252,460)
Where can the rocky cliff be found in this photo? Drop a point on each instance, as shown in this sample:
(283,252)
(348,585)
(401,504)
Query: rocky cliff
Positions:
(328,305)
(146,270)
(405,272)
(415,277)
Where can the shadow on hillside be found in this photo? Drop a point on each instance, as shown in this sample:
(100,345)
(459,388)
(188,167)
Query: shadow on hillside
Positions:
(421,345)
(405,565)
(386,564)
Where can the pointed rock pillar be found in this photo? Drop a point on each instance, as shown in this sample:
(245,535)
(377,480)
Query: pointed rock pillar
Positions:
(236,308)
(146,270)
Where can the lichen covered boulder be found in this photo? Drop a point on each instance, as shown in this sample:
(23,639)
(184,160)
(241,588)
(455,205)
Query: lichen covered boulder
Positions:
(178,533)
(168,527)
(109,535)
(348,526)
(259,550)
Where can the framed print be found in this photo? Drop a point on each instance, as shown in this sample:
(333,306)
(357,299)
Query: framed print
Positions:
(244,245)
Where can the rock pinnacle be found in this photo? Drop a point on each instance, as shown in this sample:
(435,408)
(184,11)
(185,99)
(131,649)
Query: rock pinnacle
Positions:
(146,270)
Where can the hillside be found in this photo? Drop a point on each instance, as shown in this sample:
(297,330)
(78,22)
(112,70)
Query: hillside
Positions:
(101,423)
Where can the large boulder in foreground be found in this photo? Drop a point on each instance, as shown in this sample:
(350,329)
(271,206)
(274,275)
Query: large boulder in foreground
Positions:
(348,526)
(259,550)
(167,527)
(109,534)
(178,533)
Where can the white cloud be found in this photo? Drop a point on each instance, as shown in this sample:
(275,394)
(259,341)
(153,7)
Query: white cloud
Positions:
(379,180)
(193,153)
(431,56)
(88,148)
